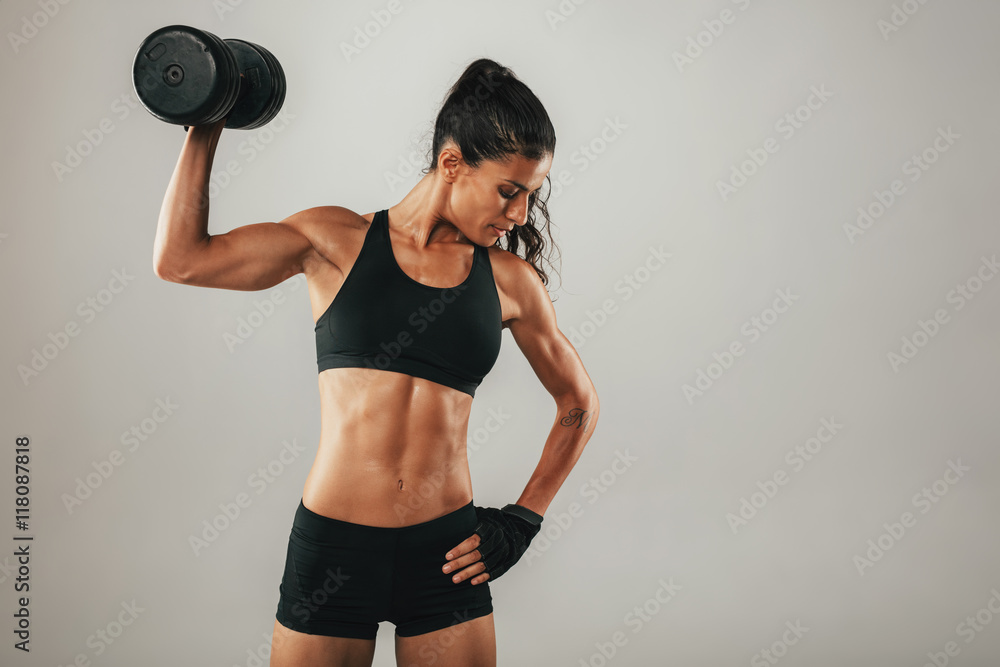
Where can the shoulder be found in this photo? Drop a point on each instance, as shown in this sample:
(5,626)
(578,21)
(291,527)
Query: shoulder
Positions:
(331,230)
(517,279)
(319,221)
(507,266)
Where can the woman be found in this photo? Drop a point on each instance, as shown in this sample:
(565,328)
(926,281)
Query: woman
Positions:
(409,305)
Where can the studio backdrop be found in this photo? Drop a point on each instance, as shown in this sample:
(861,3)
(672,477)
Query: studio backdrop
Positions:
(778,259)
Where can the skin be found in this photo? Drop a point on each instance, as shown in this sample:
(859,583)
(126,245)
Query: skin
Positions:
(392,448)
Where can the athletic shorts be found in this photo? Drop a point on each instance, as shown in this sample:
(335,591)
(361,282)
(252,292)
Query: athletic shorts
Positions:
(341,579)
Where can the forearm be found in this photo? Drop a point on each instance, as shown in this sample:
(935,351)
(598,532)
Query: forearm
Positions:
(576,419)
(183,221)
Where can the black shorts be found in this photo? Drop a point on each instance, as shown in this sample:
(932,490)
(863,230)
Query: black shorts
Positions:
(341,578)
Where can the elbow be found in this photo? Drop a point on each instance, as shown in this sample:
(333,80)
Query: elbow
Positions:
(177,264)
(161,272)
(170,271)
(586,391)
(584,398)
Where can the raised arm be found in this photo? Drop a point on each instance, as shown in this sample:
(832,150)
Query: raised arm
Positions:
(252,257)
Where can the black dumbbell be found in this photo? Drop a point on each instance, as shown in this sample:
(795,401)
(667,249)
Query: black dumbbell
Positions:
(187,76)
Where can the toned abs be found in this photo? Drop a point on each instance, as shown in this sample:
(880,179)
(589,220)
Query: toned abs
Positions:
(392,449)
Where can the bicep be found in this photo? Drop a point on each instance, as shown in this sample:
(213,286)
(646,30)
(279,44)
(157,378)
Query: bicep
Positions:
(551,355)
(261,255)
(251,257)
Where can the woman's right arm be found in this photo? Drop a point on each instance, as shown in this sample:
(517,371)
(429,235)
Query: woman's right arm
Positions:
(252,257)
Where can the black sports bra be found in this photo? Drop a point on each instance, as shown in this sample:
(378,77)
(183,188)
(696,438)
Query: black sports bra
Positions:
(383,319)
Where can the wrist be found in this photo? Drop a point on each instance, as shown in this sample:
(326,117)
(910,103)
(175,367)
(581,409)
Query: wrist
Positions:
(523,512)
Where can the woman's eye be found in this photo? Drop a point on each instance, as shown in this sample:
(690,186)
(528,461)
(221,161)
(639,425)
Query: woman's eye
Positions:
(508,196)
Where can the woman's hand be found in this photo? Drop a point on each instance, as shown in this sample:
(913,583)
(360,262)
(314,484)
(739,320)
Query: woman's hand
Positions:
(500,539)
(465,561)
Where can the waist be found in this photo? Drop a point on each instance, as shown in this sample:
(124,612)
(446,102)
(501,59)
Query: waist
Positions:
(392,450)
(355,490)
(339,531)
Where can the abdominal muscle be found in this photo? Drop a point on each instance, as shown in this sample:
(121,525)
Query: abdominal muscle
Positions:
(392,449)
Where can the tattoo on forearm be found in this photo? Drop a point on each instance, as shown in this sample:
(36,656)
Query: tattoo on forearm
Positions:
(577,416)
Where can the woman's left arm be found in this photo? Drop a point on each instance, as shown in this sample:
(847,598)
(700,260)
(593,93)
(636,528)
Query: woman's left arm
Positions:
(558,366)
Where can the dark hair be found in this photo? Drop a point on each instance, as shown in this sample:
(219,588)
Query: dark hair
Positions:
(490,114)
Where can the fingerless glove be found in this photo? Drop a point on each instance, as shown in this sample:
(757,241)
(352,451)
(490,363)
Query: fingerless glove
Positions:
(505,535)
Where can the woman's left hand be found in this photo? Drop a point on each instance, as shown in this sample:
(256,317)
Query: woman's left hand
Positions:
(465,561)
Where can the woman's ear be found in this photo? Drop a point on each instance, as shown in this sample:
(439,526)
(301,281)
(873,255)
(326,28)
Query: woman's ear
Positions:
(450,163)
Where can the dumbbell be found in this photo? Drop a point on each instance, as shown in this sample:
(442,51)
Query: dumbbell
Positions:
(187,76)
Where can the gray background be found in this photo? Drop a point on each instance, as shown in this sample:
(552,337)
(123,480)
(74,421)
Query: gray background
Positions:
(663,519)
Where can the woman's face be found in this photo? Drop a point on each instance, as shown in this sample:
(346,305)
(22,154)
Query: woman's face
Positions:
(495,196)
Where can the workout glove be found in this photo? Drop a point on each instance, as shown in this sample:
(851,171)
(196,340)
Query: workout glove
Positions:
(505,535)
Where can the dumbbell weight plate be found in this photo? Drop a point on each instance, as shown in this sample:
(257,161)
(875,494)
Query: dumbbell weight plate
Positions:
(232,71)
(263,87)
(184,76)
(278,96)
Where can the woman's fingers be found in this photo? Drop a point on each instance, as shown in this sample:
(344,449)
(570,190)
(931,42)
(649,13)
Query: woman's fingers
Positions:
(465,561)
(473,569)
(464,547)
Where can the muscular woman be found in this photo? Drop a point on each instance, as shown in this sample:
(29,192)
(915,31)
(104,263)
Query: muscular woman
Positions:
(409,304)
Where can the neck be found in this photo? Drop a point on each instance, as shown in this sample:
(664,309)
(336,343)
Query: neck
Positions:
(423,214)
